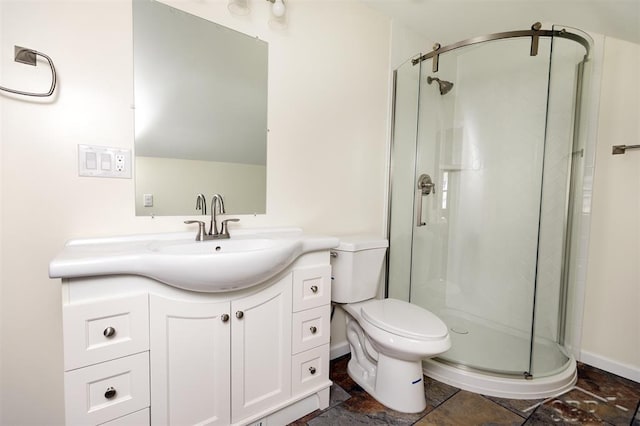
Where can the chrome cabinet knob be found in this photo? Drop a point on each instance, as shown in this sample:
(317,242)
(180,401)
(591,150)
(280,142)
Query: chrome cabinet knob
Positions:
(314,288)
(312,370)
(313,329)
(110,393)
(224,317)
(109,332)
(239,314)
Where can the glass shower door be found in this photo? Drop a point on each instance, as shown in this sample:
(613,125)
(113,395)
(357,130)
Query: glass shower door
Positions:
(477,187)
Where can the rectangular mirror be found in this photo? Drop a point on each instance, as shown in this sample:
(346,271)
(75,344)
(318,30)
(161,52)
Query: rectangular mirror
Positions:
(200,94)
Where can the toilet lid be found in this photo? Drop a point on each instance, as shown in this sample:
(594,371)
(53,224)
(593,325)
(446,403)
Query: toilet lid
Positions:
(404,319)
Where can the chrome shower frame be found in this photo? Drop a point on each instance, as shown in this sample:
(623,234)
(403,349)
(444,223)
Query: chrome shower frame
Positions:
(534,33)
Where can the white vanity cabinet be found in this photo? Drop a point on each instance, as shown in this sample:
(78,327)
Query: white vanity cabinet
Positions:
(106,359)
(141,352)
(218,363)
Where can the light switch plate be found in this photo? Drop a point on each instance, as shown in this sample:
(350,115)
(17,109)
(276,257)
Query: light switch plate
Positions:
(104,161)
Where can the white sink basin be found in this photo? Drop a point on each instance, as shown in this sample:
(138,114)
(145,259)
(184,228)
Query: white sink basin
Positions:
(179,261)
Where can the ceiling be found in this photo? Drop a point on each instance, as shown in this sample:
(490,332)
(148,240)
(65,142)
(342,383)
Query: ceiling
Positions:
(448,21)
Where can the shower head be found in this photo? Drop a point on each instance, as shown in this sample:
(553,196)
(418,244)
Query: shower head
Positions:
(445,86)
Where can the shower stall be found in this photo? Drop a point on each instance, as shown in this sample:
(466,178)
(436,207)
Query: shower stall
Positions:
(486,201)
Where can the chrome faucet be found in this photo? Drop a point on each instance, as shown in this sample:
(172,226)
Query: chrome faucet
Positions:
(217,207)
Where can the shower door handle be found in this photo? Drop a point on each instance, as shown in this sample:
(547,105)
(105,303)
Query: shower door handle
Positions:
(425,187)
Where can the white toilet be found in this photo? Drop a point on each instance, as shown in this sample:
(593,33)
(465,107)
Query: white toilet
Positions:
(389,338)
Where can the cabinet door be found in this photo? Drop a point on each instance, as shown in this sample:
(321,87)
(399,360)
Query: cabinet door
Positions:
(261,348)
(189,362)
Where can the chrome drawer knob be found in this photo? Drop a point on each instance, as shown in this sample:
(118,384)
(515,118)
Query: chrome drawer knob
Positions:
(313,329)
(312,370)
(239,314)
(224,317)
(109,332)
(314,288)
(110,393)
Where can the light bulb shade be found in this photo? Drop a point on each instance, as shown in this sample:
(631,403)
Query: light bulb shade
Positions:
(278,8)
(239,7)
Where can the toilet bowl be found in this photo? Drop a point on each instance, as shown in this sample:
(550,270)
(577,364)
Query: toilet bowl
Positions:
(388,338)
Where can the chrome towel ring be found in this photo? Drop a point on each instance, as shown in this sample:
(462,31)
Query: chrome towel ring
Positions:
(28,56)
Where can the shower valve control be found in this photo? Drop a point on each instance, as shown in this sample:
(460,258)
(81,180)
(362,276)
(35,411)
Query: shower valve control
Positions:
(426,185)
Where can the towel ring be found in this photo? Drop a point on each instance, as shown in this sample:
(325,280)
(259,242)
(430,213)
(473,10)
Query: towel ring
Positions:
(28,56)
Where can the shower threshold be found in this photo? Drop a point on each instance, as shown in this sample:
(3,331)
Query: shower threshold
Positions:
(502,386)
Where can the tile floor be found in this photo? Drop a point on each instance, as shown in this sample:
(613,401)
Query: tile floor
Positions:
(599,398)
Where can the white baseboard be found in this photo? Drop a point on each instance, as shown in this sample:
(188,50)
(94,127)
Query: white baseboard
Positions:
(336,351)
(627,371)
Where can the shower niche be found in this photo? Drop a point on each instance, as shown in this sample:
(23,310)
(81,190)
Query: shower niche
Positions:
(496,122)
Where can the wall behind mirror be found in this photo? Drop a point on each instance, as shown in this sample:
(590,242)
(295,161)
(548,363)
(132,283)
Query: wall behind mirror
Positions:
(200,94)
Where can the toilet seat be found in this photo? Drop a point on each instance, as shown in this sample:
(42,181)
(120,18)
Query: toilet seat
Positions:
(404,319)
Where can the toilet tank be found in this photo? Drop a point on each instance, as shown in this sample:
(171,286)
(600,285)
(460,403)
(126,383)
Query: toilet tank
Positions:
(356,268)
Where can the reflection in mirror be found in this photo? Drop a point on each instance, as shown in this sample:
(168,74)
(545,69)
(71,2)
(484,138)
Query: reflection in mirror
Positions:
(200,113)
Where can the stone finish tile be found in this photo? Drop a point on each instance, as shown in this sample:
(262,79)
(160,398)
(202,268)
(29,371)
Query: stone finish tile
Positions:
(558,413)
(466,408)
(365,405)
(522,407)
(437,392)
(341,416)
(622,395)
(606,411)
(304,421)
(337,395)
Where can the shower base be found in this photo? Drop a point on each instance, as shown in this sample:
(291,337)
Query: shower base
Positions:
(502,386)
(501,357)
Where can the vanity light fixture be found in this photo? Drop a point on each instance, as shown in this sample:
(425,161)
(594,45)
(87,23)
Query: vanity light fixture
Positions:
(278,11)
(278,19)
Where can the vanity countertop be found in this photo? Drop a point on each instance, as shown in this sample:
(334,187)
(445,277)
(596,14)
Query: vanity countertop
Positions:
(249,257)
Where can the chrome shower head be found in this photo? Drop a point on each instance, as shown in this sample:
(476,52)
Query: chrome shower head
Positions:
(445,86)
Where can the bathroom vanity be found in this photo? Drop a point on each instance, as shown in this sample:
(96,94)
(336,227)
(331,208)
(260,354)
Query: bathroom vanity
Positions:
(140,350)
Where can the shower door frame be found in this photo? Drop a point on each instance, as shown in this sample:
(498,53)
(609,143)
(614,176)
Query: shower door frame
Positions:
(534,34)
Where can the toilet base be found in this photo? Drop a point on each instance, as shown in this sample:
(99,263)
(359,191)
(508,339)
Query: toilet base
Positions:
(395,383)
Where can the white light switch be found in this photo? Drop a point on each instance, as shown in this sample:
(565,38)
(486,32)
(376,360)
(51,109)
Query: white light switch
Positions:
(91,162)
(147,200)
(104,161)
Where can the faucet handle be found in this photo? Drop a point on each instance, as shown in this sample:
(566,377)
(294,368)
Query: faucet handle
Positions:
(201,231)
(225,227)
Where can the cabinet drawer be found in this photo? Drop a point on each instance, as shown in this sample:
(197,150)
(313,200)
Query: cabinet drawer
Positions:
(139,418)
(310,328)
(106,391)
(310,369)
(100,331)
(311,287)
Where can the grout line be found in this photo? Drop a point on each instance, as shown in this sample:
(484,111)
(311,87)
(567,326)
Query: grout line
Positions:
(437,406)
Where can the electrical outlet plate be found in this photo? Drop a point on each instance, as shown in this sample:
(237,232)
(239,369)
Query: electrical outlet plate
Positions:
(104,161)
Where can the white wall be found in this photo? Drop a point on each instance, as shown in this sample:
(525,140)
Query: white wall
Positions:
(611,324)
(328,104)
